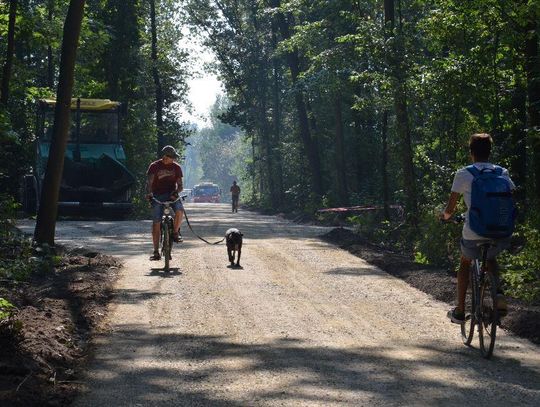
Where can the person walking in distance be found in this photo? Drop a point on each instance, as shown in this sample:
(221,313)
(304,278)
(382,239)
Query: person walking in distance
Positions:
(235,195)
(165,183)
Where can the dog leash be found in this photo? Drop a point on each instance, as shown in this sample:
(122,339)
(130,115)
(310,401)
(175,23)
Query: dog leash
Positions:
(192,231)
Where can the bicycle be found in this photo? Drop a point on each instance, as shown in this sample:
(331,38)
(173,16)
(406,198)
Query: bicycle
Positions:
(167,229)
(481,301)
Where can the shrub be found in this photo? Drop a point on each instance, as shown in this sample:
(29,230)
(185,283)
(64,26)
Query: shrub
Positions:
(436,243)
(8,322)
(521,271)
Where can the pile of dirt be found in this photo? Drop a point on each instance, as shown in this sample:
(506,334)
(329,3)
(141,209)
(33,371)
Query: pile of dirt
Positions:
(59,311)
(522,319)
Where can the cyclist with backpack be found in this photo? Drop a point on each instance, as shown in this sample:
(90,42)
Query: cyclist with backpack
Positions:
(487,192)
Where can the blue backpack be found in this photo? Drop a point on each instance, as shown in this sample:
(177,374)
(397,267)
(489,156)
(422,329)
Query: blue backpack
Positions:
(492,212)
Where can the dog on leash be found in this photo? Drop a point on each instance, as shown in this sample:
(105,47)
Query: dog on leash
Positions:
(233,239)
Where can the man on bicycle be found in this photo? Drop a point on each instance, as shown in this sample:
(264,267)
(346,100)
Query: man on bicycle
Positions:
(165,184)
(235,196)
(480,149)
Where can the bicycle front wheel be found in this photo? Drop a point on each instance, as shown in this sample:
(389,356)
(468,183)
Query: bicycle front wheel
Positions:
(489,316)
(471,298)
(166,246)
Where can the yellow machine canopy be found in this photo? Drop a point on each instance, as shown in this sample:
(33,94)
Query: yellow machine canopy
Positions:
(87,104)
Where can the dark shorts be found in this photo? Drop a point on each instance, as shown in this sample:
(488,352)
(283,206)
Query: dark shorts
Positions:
(157,209)
(470,249)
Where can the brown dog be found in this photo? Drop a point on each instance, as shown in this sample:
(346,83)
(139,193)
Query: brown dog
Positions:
(233,239)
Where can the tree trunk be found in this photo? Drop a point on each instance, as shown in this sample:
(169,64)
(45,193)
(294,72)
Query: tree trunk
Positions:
(384,168)
(532,69)
(262,91)
(46,219)
(157,80)
(6,71)
(310,145)
(339,140)
(395,62)
(277,119)
(404,134)
(253,171)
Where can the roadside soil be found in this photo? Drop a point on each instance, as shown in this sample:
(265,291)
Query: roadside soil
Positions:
(522,319)
(59,312)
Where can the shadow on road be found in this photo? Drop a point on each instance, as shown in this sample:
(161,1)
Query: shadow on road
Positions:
(159,272)
(130,296)
(215,371)
(234,267)
(355,271)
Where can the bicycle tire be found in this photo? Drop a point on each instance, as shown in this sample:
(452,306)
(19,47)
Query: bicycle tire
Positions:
(467,328)
(166,246)
(489,316)
(171,241)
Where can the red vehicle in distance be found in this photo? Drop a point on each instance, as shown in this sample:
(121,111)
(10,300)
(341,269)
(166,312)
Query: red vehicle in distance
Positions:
(206,192)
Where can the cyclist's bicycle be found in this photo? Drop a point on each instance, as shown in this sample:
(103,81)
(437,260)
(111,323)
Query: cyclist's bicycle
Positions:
(167,230)
(481,301)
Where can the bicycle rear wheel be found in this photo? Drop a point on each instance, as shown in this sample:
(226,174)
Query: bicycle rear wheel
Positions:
(467,328)
(487,326)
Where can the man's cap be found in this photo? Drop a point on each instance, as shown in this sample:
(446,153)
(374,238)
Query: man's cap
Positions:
(170,151)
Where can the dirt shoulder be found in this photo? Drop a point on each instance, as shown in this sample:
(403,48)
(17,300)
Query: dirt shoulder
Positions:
(522,319)
(59,312)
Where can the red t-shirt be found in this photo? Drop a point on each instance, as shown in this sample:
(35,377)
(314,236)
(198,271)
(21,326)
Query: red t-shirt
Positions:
(165,177)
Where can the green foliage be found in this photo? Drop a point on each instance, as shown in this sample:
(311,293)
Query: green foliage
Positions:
(392,235)
(521,271)
(11,157)
(6,309)
(436,243)
(8,323)
(16,261)
(8,212)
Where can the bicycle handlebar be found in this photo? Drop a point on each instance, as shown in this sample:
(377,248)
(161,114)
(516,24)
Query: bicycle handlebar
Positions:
(169,202)
(457,219)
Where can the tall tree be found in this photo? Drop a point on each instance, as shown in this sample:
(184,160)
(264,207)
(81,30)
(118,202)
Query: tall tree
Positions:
(8,63)
(50,57)
(309,143)
(532,68)
(395,61)
(276,112)
(46,219)
(157,80)
(120,56)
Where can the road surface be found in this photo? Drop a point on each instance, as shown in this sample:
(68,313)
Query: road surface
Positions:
(301,323)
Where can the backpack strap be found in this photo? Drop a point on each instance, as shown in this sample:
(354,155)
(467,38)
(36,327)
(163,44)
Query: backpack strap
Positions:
(473,170)
(497,170)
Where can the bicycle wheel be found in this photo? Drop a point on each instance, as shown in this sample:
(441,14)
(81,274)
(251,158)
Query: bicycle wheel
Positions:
(489,316)
(166,246)
(467,328)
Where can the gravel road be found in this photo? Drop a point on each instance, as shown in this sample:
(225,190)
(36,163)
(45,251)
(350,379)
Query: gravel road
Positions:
(302,323)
